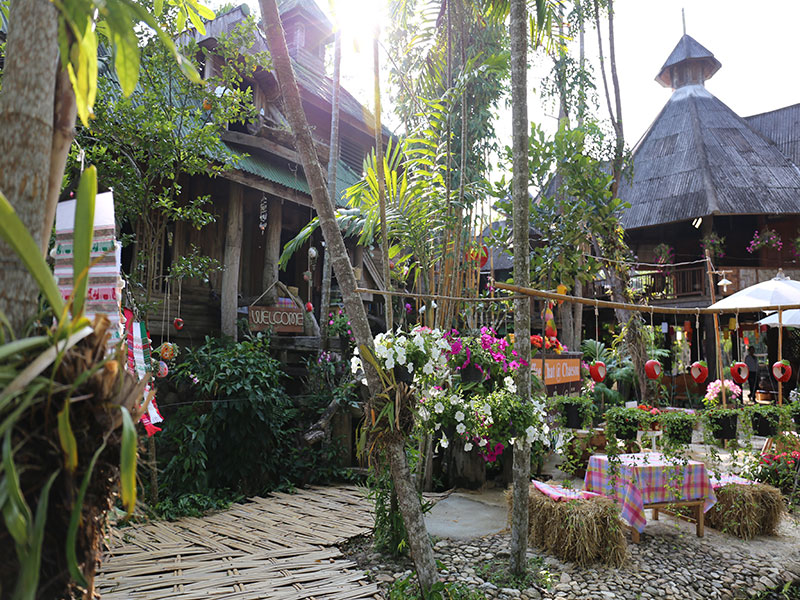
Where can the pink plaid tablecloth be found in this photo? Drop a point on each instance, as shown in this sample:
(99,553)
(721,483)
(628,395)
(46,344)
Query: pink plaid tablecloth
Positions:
(648,478)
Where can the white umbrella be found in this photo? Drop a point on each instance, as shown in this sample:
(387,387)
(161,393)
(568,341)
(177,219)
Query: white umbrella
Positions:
(774,292)
(791,318)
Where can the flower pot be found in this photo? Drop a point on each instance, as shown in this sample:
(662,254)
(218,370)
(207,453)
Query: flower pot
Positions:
(796,419)
(403,375)
(572,415)
(680,433)
(471,373)
(763,426)
(626,431)
(723,426)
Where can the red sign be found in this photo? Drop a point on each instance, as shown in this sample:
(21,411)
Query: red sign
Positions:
(280,319)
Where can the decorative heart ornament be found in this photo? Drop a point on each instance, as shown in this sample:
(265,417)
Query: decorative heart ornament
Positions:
(739,372)
(652,368)
(782,370)
(597,370)
(177,323)
(699,371)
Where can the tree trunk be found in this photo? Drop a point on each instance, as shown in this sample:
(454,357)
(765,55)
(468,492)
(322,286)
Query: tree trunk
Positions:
(577,316)
(272,250)
(26,123)
(407,496)
(522,307)
(333,160)
(232,258)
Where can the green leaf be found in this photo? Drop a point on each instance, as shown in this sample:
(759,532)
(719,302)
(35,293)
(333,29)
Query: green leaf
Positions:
(67,438)
(158,7)
(17,236)
(83,232)
(74,520)
(19,346)
(196,21)
(16,513)
(126,47)
(128,462)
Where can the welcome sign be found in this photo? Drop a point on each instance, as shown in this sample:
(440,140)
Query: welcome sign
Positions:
(280,319)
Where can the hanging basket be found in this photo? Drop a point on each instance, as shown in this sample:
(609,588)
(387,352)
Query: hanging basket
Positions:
(471,373)
(764,426)
(723,427)
(403,375)
(572,415)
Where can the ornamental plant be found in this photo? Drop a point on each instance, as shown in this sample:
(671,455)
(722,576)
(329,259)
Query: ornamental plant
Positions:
(585,407)
(713,395)
(766,238)
(339,324)
(549,343)
(678,426)
(421,352)
(623,423)
(492,355)
(714,243)
(665,256)
(778,470)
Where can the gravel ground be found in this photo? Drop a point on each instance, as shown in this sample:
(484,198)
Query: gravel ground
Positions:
(671,563)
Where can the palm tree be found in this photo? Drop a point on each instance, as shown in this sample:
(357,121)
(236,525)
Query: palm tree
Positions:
(394,445)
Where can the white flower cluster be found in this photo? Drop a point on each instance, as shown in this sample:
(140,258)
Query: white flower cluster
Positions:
(420,351)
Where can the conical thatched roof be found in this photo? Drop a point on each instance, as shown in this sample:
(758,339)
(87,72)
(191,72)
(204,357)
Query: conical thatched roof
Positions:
(699,158)
(688,50)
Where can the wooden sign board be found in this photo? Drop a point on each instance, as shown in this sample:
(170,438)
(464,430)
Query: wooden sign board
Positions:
(279,319)
(558,369)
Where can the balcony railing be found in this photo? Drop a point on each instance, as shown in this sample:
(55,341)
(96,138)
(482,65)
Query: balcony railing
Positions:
(670,284)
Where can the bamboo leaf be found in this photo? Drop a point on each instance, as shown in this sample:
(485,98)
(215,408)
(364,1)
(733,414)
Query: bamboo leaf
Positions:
(67,438)
(19,346)
(35,556)
(84,230)
(126,47)
(17,236)
(74,521)
(128,462)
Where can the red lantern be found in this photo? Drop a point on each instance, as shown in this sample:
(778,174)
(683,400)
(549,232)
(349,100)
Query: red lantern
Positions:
(177,323)
(309,307)
(782,370)
(652,368)
(699,371)
(764,328)
(739,372)
(597,370)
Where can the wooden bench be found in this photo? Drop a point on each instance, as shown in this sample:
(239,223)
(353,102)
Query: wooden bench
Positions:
(698,519)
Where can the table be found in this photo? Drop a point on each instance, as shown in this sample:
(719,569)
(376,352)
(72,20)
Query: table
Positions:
(652,480)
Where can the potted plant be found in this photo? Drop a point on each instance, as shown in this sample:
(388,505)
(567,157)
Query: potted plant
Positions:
(794,411)
(623,423)
(765,419)
(678,426)
(420,353)
(573,412)
(722,422)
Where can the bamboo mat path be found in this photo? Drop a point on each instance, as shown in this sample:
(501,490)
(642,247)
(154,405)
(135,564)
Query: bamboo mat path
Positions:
(281,547)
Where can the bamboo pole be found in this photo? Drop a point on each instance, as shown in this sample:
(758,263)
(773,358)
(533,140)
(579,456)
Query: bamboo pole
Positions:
(718,348)
(780,353)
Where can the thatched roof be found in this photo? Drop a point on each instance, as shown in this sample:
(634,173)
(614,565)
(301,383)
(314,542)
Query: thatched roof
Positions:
(699,158)
(782,127)
(688,51)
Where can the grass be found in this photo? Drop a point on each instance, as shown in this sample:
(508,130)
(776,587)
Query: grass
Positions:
(497,573)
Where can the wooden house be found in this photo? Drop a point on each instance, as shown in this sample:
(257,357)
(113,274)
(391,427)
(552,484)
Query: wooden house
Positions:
(262,200)
(704,176)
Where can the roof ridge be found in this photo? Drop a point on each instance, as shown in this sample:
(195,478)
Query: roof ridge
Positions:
(702,157)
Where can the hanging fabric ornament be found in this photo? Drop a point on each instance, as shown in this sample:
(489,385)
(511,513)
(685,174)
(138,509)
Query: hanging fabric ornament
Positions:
(699,371)
(163,369)
(549,321)
(739,372)
(262,213)
(597,370)
(177,323)
(167,351)
(652,368)
(782,370)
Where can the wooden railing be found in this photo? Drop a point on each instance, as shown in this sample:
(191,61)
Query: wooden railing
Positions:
(671,284)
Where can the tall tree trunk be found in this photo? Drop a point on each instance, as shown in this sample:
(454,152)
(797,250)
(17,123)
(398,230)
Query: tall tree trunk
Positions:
(409,502)
(333,160)
(232,258)
(522,308)
(381,176)
(26,140)
(272,249)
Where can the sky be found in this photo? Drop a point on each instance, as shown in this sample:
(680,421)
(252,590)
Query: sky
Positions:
(758,45)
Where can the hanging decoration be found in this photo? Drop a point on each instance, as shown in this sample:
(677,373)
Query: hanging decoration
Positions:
(549,321)
(177,323)
(139,363)
(652,368)
(167,351)
(262,213)
(597,370)
(163,369)
(739,372)
(732,324)
(309,307)
(561,289)
(699,371)
(782,370)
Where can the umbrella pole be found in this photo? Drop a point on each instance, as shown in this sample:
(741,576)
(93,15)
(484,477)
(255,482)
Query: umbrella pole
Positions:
(720,373)
(780,353)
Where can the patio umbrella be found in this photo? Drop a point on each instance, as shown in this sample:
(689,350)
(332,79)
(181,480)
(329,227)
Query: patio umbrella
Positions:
(774,292)
(791,318)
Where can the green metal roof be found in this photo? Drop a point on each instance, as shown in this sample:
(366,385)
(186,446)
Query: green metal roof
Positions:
(288,174)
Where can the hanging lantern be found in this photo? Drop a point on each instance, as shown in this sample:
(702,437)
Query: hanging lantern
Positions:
(163,369)
(739,372)
(746,341)
(549,321)
(561,289)
(177,323)
(309,307)
(652,368)
(597,370)
(699,371)
(764,328)
(782,370)
(732,323)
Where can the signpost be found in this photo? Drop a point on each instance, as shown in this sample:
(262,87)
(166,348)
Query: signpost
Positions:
(279,319)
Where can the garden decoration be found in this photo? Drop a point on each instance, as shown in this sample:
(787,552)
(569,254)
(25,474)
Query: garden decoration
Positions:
(549,321)
(722,422)
(561,289)
(739,372)
(678,426)
(309,307)
(699,371)
(782,370)
(597,370)
(167,351)
(652,368)
(574,412)
(163,369)
(765,419)
(177,323)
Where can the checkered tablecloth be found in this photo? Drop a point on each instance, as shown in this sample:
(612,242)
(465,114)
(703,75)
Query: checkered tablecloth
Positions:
(648,478)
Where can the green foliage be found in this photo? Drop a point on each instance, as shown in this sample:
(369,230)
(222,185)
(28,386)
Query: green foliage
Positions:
(194,505)
(497,572)
(779,470)
(585,406)
(621,421)
(677,426)
(408,589)
(711,416)
(388,531)
(788,591)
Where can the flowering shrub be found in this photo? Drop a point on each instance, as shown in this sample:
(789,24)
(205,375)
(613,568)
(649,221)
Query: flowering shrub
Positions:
(778,470)
(339,324)
(766,238)
(665,256)
(715,244)
(491,355)
(421,352)
(714,392)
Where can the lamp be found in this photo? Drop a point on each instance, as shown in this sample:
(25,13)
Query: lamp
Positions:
(724,283)
(697,222)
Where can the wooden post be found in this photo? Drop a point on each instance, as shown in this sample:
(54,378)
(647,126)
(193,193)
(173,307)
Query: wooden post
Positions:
(718,349)
(272,249)
(780,353)
(232,258)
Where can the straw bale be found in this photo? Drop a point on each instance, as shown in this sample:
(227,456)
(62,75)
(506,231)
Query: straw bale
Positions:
(580,531)
(747,510)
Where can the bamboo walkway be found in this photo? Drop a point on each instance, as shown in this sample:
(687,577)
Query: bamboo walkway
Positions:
(279,547)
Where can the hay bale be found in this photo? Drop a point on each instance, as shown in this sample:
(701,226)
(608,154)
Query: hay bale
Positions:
(580,531)
(747,510)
